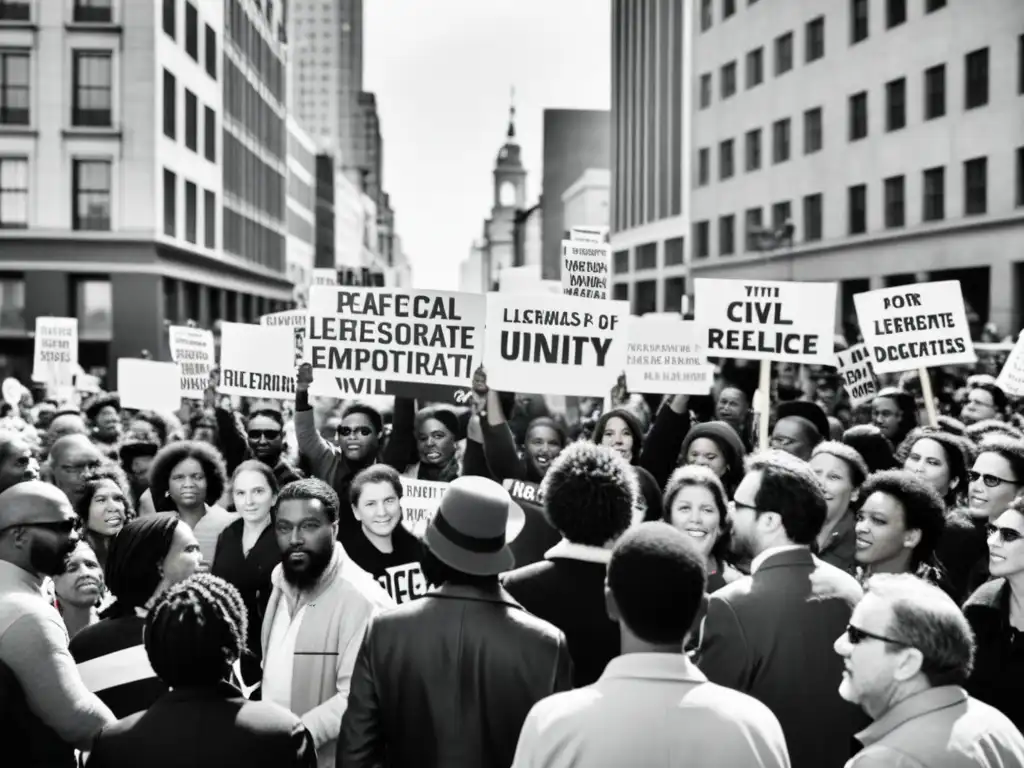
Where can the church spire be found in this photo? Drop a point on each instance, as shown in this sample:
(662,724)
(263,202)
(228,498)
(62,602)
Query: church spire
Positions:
(512,115)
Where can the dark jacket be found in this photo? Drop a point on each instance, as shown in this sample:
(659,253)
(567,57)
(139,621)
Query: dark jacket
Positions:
(27,741)
(206,727)
(999,655)
(770,635)
(447,681)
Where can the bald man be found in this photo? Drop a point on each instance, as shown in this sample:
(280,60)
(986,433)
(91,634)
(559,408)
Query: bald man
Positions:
(17,460)
(37,533)
(73,461)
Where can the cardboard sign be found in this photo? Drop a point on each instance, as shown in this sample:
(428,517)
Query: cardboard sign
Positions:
(855,370)
(589,234)
(55,358)
(558,345)
(766,320)
(915,326)
(420,499)
(295,319)
(380,334)
(193,350)
(586,270)
(325,277)
(1011,378)
(257,361)
(663,357)
(88,384)
(149,385)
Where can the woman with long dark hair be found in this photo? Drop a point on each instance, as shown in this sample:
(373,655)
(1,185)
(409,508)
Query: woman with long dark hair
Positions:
(104,508)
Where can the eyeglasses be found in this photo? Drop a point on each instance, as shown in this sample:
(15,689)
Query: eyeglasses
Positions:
(1008,535)
(65,527)
(264,434)
(740,505)
(360,431)
(78,470)
(856,636)
(990,480)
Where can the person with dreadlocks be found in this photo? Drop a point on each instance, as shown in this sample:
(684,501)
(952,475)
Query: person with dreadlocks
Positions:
(194,634)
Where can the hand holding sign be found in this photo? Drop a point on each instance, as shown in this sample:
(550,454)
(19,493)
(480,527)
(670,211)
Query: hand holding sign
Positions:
(303,378)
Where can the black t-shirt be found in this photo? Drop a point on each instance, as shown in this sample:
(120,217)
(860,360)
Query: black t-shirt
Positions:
(398,571)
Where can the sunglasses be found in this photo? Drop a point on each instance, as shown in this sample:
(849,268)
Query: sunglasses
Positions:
(990,480)
(1008,535)
(360,431)
(856,636)
(265,434)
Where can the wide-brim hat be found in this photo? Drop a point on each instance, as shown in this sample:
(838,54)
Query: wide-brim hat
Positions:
(473,526)
(805,409)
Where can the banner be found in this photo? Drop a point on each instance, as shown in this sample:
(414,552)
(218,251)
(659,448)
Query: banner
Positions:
(663,357)
(1011,378)
(295,319)
(149,385)
(589,234)
(586,269)
(420,499)
(854,367)
(915,326)
(193,350)
(55,357)
(766,320)
(325,277)
(558,345)
(257,361)
(378,334)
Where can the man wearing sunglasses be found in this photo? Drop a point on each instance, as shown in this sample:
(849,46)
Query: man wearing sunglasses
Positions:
(38,530)
(907,652)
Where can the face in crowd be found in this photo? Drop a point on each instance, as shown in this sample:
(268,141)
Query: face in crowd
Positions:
(836,477)
(795,436)
(108,510)
(74,460)
(882,534)
(357,437)
(205,430)
(744,518)
(695,512)
(872,657)
(1006,544)
(993,485)
(266,438)
(543,444)
(733,407)
(704,452)
(619,437)
(187,484)
(927,459)
(17,463)
(379,509)
(81,582)
(980,406)
(254,498)
(305,535)
(183,558)
(108,424)
(887,416)
(142,431)
(435,443)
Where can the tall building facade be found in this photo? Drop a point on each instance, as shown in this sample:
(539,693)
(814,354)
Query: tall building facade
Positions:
(649,158)
(300,246)
(112,182)
(869,142)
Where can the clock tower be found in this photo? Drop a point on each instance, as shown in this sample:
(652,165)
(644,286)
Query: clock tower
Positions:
(509,196)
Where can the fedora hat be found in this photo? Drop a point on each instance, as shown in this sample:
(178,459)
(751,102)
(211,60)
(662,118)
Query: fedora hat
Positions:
(474,523)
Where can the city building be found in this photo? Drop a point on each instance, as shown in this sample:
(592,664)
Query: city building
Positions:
(325,215)
(585,202)
(649,157)
(350,220)
(869,142)
(401,270)
(125,211)
(300,247)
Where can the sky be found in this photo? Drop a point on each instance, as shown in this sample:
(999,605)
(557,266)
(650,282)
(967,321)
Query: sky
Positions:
(442,72)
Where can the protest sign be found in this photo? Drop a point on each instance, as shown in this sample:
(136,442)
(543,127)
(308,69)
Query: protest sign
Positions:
(558,345)
(915,326)
(521,490)
(663,357)
(88,384)
(1011,378)
(193,350)
(55,357)
(586,269)
(325,277)
(766,320)
(257,361)
(420,499)
(854,367)
(589,234)
(359,336)
(149,385)
(295,319)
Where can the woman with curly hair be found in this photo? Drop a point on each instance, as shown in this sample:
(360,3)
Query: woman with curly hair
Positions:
(104,508)
(104,415)
(188,478)
(940,459)
(79,589)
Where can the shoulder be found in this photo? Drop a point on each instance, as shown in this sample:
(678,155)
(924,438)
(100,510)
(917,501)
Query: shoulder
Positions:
(561,711)
(528,573)
(986,596)
(736,707)
(106,637)
(356,586)
(730,573)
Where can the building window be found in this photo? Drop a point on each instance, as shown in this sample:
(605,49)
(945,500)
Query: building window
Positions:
(701,240)
(191,121)
(170,18)
(976,186)
(191,212)
(675,289)
(13,194)
(645,297)
(211,52)
(703,167)
(896,104)
(12,304)
(93,80)
(620,291)
(812,218)
(858,116)
(210,134)
(858,21)
(780,141)
(895,214)
(91,187)
(931,6)
(620,262)
(170,204)
(814,138)
(755,67)
(209,219)
(727,235)
(706,15)
(728,8)
(934,195)
(752,222)
(814,39)
(753,142)
(1020,64)
(94,307)
(191,31)
(674,251)
(170,106)
(935,92)
(976,79)
(858,209)
(728,79)
(725,164)
(705,90)
(1020,179)
(15,10)
(93,11)
(647,256)
(783,53)
(781,214)
(15,83)
(895,13)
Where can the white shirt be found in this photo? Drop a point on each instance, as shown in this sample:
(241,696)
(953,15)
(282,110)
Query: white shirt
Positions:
(280,656)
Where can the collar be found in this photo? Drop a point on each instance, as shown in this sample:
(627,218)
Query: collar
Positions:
(653,666)
(758,561)
(569,550)
(297,597)
(14,578)
(911,708)
(495,594)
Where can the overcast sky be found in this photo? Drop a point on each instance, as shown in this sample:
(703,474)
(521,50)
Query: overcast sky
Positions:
(442,70)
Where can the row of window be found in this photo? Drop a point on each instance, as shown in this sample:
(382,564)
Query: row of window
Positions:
(895,14)
(191,197)
(170,119)
(91,193)
(933,208)
(91,299)
(91,88)
(170,25)
(248,177)
(253,241)
(254,48)
(244,103)
(182,302)
(82,12)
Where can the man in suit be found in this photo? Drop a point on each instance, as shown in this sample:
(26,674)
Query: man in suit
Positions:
(770,634)
(446,681)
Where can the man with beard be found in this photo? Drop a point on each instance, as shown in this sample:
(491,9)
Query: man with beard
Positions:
(319,609)
(770,634)
(73,460)
(57,714)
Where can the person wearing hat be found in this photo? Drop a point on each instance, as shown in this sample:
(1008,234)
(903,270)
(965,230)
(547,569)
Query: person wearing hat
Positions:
(59,714)
(467,652)
(800,425)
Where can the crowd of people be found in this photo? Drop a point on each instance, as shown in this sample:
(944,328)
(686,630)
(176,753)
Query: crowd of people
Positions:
(627,582)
